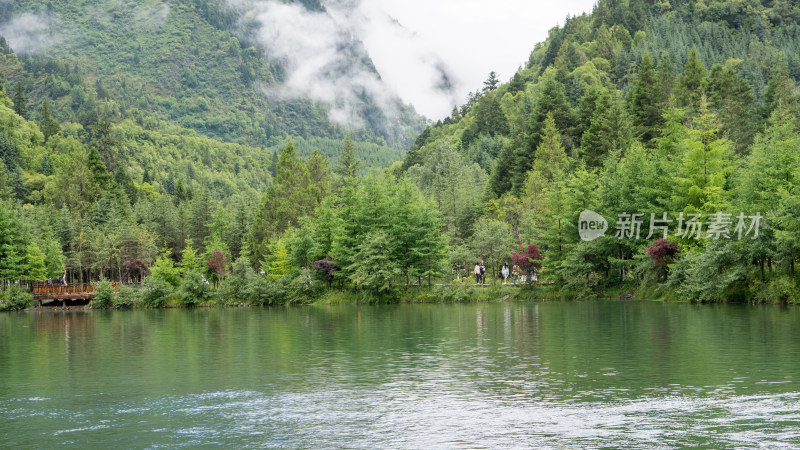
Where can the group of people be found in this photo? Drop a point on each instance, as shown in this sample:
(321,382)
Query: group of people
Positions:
(460,272)
(62,280)
(480,273)
(516,272)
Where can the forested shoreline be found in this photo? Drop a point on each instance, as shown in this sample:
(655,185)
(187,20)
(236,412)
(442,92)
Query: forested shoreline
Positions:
(677,121)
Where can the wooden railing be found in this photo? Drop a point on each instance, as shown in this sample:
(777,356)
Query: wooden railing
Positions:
(70,289)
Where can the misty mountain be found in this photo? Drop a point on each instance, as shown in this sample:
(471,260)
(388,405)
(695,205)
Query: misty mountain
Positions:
(249,72)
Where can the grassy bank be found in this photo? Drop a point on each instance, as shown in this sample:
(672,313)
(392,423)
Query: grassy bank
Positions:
(199,294)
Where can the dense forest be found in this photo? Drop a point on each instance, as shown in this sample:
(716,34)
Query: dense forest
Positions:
(688,108)
(675,122)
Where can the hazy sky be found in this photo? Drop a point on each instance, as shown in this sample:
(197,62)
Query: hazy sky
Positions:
(471,37)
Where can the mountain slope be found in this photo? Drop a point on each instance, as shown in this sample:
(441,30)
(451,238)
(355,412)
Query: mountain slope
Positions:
(179,61)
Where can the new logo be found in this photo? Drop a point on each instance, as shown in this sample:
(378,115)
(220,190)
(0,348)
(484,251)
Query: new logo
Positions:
(591,225)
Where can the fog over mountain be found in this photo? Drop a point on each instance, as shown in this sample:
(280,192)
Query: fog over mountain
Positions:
(430,54)
(344,54)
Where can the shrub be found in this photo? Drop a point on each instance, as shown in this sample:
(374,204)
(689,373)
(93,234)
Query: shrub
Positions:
(104,294)
(454,293)
(238,285)
(304,288)
(155,293)
(126,297)
(193,289)
(266,292)
(782,289)
(15,298)
(164,269)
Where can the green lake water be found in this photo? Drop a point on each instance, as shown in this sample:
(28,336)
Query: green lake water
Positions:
(567,374)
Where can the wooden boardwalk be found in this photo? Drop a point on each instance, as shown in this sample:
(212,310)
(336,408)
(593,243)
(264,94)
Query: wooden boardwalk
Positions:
(71,291)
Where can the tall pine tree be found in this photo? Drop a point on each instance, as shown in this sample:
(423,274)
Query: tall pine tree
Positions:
(647,99)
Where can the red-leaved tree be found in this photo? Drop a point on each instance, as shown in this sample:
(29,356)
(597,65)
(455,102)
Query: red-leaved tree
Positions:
(662,252)
(326,267)
(135,269)
(218,264)
(527,257)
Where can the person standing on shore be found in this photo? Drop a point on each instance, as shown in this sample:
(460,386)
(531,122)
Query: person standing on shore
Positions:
(483,273)
(505,273)
(477,273)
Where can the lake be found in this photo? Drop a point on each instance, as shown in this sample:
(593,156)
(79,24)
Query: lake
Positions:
(577,374)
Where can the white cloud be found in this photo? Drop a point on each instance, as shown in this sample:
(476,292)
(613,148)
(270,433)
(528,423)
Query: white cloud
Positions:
(417,47)
(322,56)
(472,37)
(30,33)
(152,16)
(406,62)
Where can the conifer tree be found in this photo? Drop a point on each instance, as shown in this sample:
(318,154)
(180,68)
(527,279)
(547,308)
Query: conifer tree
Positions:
(550,159)
(552,100)
(700,185)
(491,82)
(732,98)
(692,82)
(780,91)
(201,217)
(373,266)
(5,182)
(489,117)
(319,175)
(348,164)
(54,258)
(189,260)
(609,129)
(98,169)
(19,101)
(146,176)
(47,124)
(13,244)
(287,200)
(279,264)
(647,100)
(35,264)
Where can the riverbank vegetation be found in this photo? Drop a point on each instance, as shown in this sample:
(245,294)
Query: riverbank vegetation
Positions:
(646,113)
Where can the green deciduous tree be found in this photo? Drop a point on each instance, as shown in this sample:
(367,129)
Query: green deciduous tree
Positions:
(492,242)
(164,269)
